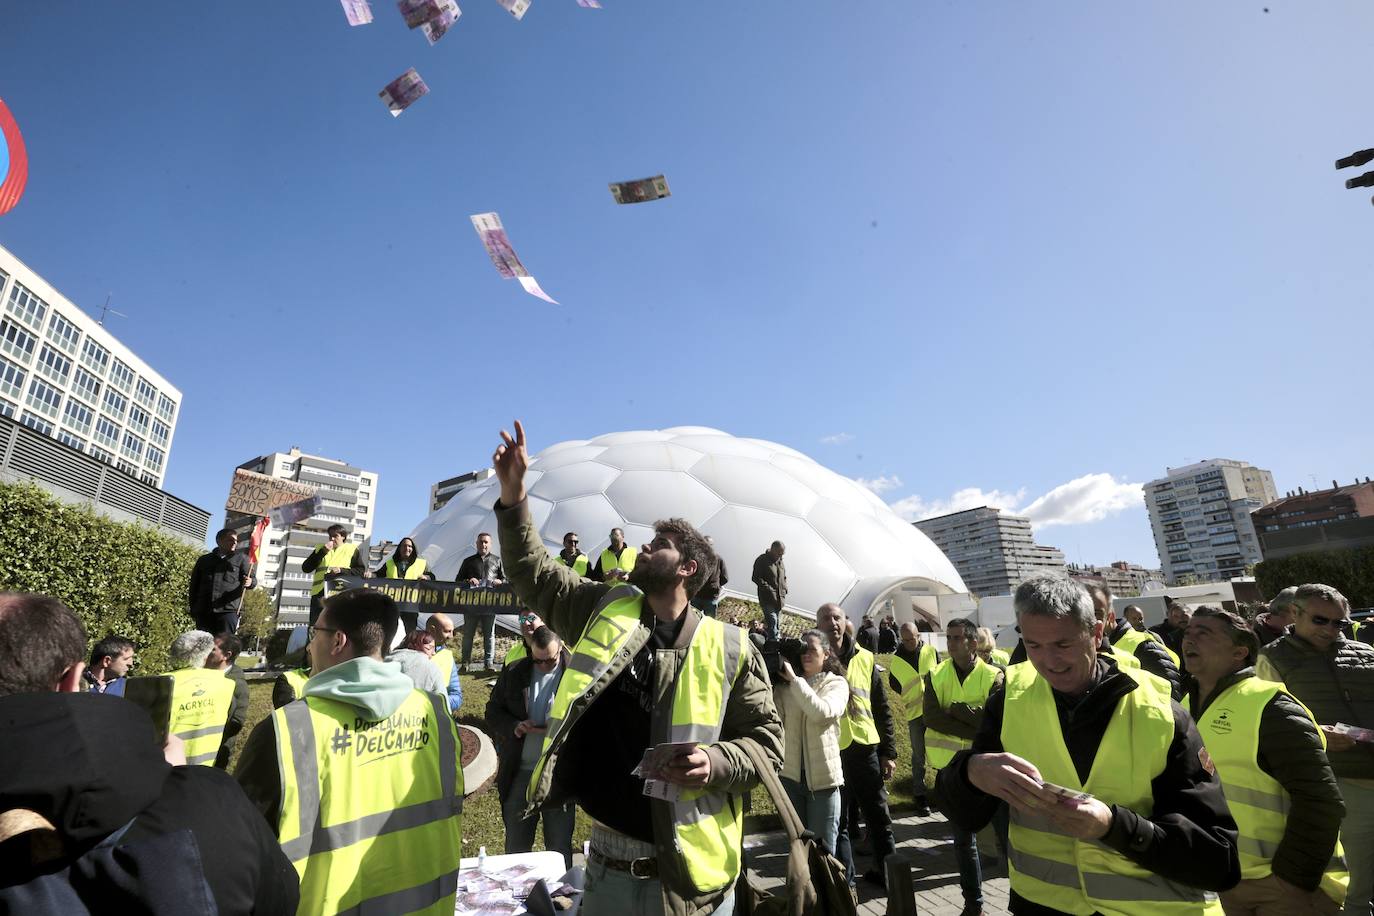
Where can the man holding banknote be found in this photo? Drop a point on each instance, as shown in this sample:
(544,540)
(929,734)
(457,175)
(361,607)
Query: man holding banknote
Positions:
(1114,807)
(648,672)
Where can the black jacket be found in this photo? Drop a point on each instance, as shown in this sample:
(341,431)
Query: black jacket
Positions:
(481,568)
(1173,638)
(1291,752)
(710,589)
(867,636)
(1337,685)
(1153,659)
(911,658)
(961,720)
(887,640)
(89,764)
(1190,837)
(238,715)
(882,712)
(505,710)
(216,585)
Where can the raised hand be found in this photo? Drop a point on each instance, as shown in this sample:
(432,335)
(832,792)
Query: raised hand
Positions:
(510,461)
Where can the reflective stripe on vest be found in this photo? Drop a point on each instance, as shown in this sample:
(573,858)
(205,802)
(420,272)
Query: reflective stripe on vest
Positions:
(201,701)
(341,556)
(856,725)
(1132,638)
(707,824)
(913,679)
(626,561)
(386,836)
(944,680)
(443,660)
(415,570)
(1076,876)
(1230,731)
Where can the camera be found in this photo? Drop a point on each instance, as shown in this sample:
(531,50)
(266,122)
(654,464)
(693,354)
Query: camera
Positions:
(774,651)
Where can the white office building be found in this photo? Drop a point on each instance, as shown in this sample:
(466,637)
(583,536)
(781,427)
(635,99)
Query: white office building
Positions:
(1200,515)
(63,375)
(349,496)
(994,551)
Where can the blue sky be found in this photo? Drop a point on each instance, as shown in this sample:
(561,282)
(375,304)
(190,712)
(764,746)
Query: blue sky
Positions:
(996,248)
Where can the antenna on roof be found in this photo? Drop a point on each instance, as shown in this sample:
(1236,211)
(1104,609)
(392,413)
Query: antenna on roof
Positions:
(105,309)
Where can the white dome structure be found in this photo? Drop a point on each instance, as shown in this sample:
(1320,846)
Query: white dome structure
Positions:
(844,544)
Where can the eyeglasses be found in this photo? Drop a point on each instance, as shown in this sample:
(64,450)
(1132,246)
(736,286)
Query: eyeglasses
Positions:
(545,662)
(1320,621)
(311,630)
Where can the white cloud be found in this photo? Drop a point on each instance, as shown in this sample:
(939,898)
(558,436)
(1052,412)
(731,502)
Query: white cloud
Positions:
(836,438)
(1089,498)
(1085,499)
(880,484)
(914,508)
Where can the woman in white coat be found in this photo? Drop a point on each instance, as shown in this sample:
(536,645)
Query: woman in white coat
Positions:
(811,704)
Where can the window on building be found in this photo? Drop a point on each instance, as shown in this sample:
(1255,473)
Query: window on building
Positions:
(44,398)
(15,341)
(63,333)
(121,376)
(67,438)
(27,307)
(33,421)
(114,403)
(132,446)
(166,407)
(149,478)
(106,433)
(12,378)
(145,392)
(95,357)
(7,409)
(362,510)
(86,385)
(160,433)
(54,365)
(78,416)
(127,467)
(367,481)
(138,418)
(154,458)
(100,454)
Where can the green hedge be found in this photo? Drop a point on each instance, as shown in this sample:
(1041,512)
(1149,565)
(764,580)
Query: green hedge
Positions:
(1350,571)
(119,578)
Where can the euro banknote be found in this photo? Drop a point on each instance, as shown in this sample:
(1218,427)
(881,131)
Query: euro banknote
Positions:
(640,190)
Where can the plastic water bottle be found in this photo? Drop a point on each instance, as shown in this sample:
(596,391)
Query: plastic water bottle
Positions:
(481,859)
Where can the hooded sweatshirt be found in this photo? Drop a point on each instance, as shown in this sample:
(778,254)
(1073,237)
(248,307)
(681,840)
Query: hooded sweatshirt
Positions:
(375,687)
(90,765)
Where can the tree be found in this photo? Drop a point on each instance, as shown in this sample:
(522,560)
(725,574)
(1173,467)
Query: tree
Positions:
(256,616)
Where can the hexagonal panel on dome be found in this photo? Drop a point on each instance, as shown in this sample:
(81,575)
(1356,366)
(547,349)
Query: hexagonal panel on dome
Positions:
(725,445)
(650,456)
(858,536)
(774,448)
(695,431)
(574,480)
(815,572)
(560,446)
(750,482)
(633,436)
(825,482)
(646,496)
(561,458)
(591,513)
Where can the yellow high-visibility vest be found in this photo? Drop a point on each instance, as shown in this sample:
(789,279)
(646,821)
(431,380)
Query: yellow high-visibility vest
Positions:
(1132,638)
(708,825)
(296,678)
(443,660)
(1083,876)
(977,684)
(913,679)
(857,725)
(1123,658)
(515,653)
(341,556)
(1000,657)
(414,571)
(201,702)
(1259,803)
(578,565)
(626,560)
(385,836)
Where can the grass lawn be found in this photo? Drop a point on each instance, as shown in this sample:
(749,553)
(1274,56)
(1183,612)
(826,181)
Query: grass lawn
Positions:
(482,813)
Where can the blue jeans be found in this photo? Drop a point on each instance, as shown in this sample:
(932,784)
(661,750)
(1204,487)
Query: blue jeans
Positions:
(916,728)
(558,822)
(970,868)
(819,810)
(616,893)
(488,622)
(772,622)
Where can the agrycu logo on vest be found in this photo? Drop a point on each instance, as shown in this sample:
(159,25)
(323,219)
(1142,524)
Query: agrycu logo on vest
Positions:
(14,161)
(1222,723)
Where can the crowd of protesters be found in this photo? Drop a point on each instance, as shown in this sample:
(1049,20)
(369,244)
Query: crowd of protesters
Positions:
(1214,763)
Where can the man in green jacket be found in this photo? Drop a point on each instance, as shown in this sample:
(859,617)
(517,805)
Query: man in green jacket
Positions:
(622,694)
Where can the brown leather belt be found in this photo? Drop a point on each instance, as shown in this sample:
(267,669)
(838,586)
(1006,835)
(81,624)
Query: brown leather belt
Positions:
(646,867)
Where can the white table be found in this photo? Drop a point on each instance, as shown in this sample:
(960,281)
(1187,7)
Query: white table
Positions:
(547,865)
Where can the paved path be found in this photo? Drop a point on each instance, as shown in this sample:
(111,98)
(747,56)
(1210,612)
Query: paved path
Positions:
(936,878)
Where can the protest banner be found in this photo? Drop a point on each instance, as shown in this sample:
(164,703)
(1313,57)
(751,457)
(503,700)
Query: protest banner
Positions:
(420,596)
(258,494)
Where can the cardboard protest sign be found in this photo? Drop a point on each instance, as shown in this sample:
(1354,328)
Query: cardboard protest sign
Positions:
(258,494)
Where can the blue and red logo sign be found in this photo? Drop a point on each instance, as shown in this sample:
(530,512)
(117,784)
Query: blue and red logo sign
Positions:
(14,161)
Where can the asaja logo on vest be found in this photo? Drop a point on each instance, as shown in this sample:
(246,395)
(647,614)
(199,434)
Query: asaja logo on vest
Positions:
(1222,723)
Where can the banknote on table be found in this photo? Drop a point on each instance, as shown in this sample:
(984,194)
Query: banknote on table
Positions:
(440,24)
(589,4)
(493,236)
(640,190)
(402,92)
(516,8)
(357,11)
(533,289)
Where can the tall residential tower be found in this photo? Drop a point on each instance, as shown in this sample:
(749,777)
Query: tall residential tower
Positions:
(1200,515)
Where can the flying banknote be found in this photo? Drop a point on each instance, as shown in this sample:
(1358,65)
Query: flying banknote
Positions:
(640,190)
